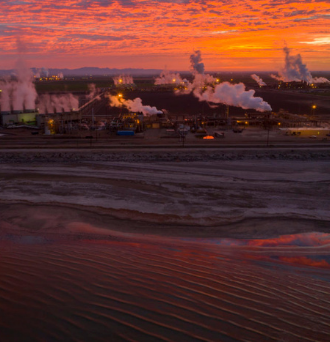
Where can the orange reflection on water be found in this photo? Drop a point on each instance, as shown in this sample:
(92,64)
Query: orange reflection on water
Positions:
(302,260)
(310,239)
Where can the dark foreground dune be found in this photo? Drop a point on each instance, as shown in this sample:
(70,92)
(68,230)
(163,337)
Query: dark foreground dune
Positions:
(212,251)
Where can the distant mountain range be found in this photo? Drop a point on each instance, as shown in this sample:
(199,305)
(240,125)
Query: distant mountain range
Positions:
(87,71)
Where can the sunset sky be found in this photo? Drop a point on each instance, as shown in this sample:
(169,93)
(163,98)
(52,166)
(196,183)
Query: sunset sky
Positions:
(232,34)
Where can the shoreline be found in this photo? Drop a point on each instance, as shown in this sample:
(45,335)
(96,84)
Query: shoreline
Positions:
(96,221)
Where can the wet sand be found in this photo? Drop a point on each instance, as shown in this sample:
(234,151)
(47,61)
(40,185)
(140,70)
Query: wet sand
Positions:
(185,195)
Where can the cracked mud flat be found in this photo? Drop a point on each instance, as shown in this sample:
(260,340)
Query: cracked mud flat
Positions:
(176,251)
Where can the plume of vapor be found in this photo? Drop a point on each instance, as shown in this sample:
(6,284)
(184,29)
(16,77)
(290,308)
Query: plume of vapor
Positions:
(201,80)
(6,88)
(197,66)
(93,92)
(166,77)
(123,80)
(320,80)
(258,80)
(44,72)
(133,105)
(295,70)
(60,75)
(233,95)
(59,103)
(20,93)
(204,87)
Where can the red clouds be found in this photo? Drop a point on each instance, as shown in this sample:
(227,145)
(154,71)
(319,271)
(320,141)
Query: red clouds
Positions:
(144,33)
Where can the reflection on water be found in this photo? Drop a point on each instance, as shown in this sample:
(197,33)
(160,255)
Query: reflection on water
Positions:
(308,249)
(301,240)
(97,285)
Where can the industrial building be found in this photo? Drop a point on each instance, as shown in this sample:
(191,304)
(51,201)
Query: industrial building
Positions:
(27,117)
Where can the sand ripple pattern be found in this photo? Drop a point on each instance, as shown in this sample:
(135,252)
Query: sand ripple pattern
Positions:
(137,291)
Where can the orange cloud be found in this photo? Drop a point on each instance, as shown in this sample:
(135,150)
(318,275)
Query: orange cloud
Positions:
(149,33)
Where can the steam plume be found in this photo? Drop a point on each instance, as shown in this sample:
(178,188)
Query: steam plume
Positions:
(200,78)
(59,103)
(204,88)
(197,66)
(134,105)
(123,80)
(258,80)
(20,93)
(295,70)
(44,72)
(93,92)
(166,77)
(233,95)
(320,80)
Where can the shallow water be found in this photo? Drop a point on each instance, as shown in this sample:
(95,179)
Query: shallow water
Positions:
(85,283)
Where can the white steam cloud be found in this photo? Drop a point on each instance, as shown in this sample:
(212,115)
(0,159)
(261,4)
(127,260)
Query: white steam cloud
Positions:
(204,87)
(133,105)
(57,103)
(93,92)
(295,70)
(258,80)
(201,80)
(19,94)
(166,77)
(233,95)
(123,80)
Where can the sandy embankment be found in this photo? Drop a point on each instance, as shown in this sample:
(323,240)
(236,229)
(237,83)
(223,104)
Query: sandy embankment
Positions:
(159,154)
(236,198)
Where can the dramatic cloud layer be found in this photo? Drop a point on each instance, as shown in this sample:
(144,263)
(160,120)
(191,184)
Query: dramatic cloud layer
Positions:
(242,34)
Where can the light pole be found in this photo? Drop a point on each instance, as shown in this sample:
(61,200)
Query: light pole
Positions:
(120,96)
(313,109)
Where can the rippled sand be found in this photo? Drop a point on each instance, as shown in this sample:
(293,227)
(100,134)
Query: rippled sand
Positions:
(175,252)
